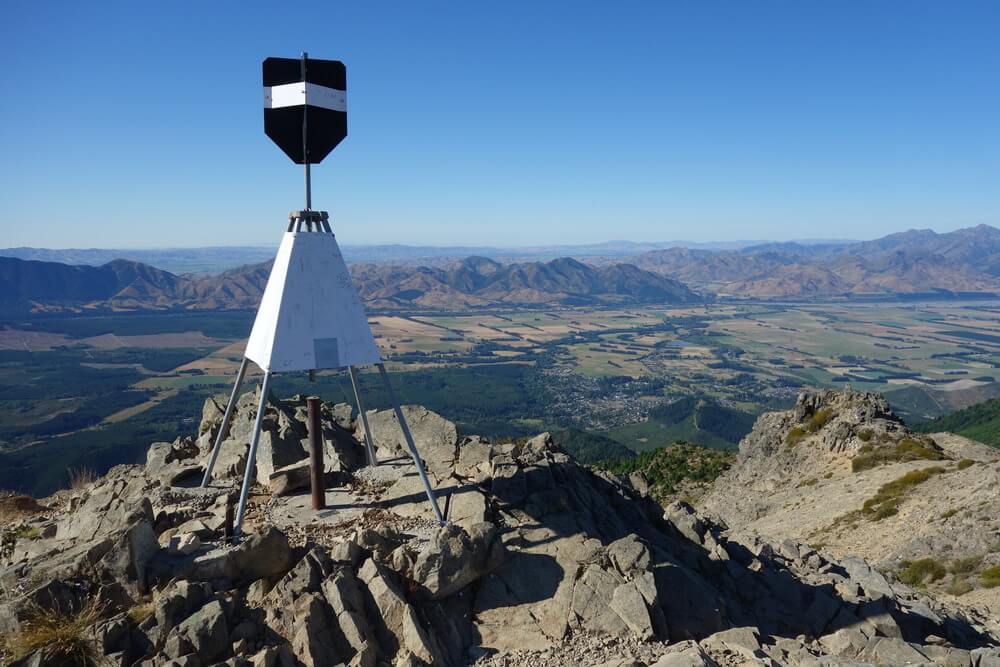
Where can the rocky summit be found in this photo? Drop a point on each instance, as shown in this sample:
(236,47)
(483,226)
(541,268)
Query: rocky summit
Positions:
(542,562)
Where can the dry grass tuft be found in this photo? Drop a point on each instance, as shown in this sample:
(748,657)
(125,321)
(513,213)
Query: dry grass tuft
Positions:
(917,572)
(886,502)
(966,565)
(907,449)
(141,612)
(959,586)
(81,478)
(57,635)
(14,506)
(991,576)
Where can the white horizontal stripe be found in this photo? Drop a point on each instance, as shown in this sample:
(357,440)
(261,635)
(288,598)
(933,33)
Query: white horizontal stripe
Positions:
(298,94)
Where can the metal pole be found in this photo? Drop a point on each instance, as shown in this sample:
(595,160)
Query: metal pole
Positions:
(316,454)
(305,142)
(248,474)
(227,527)
(224,426)
(369,443)
(410,444)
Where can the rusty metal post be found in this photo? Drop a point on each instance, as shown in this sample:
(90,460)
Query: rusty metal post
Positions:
(227,527)
(316,454)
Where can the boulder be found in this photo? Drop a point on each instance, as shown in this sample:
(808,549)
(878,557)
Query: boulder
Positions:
(232,459)
(212,412)
(455,558)
(205,633)
(279,446)
(306,577)
(184,544)
(591,604)
(128,561)
(690,655)
(355,637)
(436,438)
(398,627)
(117,503)
(175,603)
(342,452)
(312,642)
(263,554)
(630,606)
(290,478)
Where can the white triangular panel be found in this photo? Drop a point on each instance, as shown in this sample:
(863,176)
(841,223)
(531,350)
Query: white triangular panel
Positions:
(310,316)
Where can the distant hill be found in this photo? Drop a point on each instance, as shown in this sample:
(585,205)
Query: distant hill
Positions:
(22,281)
(979,422)
(696,420)
(965,262)
(478,281)
(213,259)
(916,261)
(473,282)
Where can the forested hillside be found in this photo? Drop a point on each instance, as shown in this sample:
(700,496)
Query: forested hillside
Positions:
(980,422)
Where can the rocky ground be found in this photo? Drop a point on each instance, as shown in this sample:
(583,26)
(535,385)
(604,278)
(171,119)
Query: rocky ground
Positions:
(797,478)
(542,562)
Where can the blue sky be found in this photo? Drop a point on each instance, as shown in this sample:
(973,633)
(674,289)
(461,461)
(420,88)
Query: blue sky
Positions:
(138,124)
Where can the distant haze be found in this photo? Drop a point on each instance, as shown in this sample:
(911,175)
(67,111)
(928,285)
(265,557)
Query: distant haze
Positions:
(220,258)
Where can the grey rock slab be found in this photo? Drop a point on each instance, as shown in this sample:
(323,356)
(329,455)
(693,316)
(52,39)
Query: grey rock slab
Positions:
(305,577)
(184,544)
(892,651)
(455,558)
(435,437)
(629,556)
(263,554)
(846,642)
(630,606)
(874,584)
(205,632)
(986,657)
(592,602)
(947,656)
(312,642)
(278,447)
(473,458)
(114,504)
(290,478)
(691,656)
(128,561)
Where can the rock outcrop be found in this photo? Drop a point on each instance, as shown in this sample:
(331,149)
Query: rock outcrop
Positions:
(544,562)
(841,472)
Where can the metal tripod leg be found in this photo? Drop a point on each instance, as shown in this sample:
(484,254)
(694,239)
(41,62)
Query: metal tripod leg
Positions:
(410,444)
(369,444)
(224,426)
(251,469)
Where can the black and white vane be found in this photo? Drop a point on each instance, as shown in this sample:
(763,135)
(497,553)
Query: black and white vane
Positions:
(305,106)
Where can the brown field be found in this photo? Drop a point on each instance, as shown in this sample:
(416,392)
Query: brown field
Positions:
(32,341)
(122,415)
(185,339)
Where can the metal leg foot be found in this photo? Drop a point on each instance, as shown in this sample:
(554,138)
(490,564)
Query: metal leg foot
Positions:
(251,469)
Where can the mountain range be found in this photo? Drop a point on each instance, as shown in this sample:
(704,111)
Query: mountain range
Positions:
(214,259)
(474,282)
(963,262)
(916,261)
